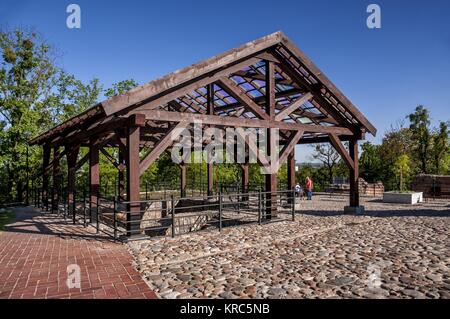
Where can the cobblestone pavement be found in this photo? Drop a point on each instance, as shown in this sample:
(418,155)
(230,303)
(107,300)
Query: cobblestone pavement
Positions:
(392,251)
(36,249)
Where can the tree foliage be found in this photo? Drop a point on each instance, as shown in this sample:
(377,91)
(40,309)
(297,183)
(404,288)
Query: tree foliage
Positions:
(35,94)
(420,133)
(328,156)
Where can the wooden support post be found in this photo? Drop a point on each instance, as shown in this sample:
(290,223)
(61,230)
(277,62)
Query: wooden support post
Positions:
(72,155)
(291,174)
(210,179)
(244,181)
(94,178)
(45,173)
(121,176)
(27,186)
(271,179)
(354,173)
(183,180)
(56,178)
(210,111)
(133,174)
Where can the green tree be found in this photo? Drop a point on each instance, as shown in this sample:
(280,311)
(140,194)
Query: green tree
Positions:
(35,95)
(74,96)
(420,130)
(441,148)
(396,142)
(328,156)
(402,169)
(370,162)
(120,87)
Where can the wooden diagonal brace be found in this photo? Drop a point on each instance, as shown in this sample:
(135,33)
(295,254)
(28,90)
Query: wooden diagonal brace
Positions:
(82,161)
(337,144)
(294,106)
(236,92)
(162,146)
(287,149)
(109,157)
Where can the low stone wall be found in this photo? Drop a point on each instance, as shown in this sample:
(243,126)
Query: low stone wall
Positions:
(365,188)
(432,185)
(370,189)
(187,219)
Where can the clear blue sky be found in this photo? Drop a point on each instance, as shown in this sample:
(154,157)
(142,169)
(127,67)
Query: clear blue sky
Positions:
(384,72)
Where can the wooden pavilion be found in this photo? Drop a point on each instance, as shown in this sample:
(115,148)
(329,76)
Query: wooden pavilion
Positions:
(267,83)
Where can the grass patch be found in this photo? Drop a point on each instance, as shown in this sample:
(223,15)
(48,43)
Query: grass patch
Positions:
(5,217)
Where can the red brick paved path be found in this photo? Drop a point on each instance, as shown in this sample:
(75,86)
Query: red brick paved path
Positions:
(36,249)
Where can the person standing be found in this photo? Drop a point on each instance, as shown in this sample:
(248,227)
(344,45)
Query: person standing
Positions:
(299,191)
(309,188)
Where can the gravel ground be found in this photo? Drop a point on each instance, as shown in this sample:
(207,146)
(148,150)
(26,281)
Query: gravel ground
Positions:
(392,251)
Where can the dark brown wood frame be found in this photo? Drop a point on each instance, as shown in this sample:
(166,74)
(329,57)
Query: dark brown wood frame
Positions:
(267,83)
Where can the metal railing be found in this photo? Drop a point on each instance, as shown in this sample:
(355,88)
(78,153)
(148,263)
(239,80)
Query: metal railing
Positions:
(176,216)
(168,215)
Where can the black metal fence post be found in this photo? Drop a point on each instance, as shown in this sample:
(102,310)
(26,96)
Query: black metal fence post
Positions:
(115,218)
(97,226)
(173,215)
(66,206)
(259,206)
(293,205)
(220,210)
(52,210)
(84,207)
(74,206)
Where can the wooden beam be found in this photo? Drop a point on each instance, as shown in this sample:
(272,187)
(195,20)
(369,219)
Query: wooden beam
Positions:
(250,76)
(244,177)
(156,101)
(133,185)
(241,122)
(223,63)
(291,170)
(209,164)
(236,92)
(45,174)
(161,146)
(109,157)
(292,73)
(271,179)
(183,180)
(72,155)
(329,85)
(354,173)
(337,144)
(294,106)
(260,100)
(82,161)
(94,179)
(56,178)
(289,147)
(121,187)
(291,175)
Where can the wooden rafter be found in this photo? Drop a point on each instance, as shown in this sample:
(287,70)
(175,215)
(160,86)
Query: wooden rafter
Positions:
(236,92)
(340,148)
(291,108)
(240,122)
(295,138)
(161,146)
